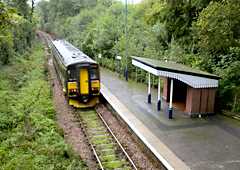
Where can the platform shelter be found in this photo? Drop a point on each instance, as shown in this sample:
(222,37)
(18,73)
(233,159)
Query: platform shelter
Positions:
(190,90)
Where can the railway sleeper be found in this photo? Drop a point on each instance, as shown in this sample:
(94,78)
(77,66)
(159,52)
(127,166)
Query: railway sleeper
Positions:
(107,149)
(106,146)
(108,158)
(93,124)
(92,115)
(98,129)
(93,132)
(100,141)
(100,136)
(105,152)
(124,168)
(91,119)
(115,164)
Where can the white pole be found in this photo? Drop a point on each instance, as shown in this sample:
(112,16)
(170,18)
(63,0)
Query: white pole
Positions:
(136,74)
(149,88)
(159,94)
(159,88)
(126,36)
(149,83)
(171,99)
(171,94)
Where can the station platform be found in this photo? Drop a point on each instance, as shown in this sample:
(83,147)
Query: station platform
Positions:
(180,143)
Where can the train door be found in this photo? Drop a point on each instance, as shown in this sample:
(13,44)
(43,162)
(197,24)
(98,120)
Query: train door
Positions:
(84,81)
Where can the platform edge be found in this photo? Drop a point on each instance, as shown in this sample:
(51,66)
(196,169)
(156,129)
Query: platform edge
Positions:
(170,163)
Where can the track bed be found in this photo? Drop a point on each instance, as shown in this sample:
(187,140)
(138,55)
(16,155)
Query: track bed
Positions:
(107,149)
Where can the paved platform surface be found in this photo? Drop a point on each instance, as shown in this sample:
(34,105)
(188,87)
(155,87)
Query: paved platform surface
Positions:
(200,143)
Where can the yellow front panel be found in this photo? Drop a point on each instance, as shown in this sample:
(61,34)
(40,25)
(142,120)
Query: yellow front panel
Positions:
(84,90)
(72,85)
(95,84)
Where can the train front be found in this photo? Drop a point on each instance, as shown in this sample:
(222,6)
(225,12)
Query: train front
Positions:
(83,85)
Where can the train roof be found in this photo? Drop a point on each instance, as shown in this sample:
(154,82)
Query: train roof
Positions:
(70,54)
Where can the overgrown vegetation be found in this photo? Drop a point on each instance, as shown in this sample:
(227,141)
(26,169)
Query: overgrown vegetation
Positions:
(200,33)
(17,24)
(29,136)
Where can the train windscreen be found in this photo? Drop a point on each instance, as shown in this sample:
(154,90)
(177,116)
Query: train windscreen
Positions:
(72,74)
(94,74)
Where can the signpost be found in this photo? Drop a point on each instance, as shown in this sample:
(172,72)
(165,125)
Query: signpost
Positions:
(118,64)
(126,40)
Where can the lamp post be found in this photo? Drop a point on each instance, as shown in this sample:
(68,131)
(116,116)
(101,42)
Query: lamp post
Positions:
(126,39)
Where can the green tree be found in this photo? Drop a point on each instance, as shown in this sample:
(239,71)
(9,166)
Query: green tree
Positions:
(6,38)
(200,33)
(217,27)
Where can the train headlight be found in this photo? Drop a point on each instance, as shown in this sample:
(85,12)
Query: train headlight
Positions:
(95,84)
(72,87)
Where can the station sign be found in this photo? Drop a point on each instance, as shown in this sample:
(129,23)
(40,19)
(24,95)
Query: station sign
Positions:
(118,57)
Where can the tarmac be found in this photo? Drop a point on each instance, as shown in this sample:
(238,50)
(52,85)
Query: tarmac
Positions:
(208,143)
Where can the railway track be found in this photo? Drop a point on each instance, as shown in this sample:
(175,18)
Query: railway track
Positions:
(108,151)
(106,148)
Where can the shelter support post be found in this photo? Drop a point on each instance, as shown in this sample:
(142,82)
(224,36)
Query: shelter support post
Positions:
(136,76)
(170,109)
(159,95)
(149,88)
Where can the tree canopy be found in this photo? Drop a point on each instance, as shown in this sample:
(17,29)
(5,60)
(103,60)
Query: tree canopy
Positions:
(16,28)
(200,33)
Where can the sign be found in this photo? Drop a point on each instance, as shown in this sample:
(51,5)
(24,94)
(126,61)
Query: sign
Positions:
(118,57)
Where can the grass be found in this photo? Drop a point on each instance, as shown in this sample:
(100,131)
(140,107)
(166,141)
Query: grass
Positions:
(29,136)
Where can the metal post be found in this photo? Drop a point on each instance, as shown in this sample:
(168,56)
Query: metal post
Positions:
(159,94)
(170,109)
(136,74)
(126,37)
(149,88)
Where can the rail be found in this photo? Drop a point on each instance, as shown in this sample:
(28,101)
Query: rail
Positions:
(109,152)
(119,144)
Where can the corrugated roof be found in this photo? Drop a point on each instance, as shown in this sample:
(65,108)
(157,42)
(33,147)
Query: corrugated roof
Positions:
(192,77)
(71,55)
(174,67)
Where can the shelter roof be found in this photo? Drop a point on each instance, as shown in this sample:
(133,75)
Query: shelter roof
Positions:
(193,77)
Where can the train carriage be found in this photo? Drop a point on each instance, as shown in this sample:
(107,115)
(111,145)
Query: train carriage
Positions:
(78,73)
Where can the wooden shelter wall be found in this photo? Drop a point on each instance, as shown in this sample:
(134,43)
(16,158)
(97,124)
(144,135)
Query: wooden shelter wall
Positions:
(200,100)
(165,89)
(197,100)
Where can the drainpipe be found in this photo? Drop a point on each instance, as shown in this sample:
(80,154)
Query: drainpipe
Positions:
(159,95)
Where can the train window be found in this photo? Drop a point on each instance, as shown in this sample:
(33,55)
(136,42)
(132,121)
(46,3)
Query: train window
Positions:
(72,74)
(94,73)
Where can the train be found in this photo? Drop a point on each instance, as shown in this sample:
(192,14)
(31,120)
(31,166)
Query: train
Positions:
(78,73)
